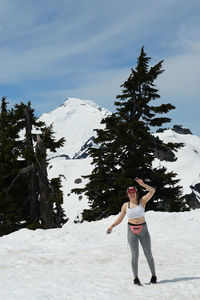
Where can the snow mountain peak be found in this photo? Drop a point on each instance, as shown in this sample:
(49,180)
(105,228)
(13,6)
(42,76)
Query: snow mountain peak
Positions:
(76,102)
(75,120)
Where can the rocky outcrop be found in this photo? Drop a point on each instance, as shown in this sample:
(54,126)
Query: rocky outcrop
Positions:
(181,130)
(193,199)
(78,180)
(83,153)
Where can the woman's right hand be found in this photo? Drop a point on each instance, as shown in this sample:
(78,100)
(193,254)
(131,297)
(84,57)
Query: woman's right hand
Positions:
(109,230)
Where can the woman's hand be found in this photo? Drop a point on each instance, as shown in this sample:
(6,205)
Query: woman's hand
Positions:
(109,230)
(140,181)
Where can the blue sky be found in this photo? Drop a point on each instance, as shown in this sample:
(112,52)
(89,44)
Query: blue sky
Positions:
(54,49)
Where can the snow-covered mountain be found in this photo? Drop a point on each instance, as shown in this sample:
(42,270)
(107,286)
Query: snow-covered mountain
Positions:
(76,119)
(187,165)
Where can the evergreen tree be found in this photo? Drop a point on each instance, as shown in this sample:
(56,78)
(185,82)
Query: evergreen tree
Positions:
(12,207)
(127,148)
(27,197)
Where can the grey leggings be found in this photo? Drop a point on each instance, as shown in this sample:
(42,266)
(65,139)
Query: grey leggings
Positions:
(145,240)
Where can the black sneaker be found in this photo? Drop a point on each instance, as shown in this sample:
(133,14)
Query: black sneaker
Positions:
(153,279)
(137,281)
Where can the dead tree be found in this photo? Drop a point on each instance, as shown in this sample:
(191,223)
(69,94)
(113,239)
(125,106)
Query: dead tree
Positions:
(32,179)
(46,206)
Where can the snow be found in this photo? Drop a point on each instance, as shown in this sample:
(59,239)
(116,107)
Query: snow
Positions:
(79,261)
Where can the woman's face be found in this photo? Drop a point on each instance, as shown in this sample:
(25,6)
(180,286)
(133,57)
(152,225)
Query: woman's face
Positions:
(131,194)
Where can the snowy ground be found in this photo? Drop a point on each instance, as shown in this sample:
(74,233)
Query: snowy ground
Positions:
(80,261)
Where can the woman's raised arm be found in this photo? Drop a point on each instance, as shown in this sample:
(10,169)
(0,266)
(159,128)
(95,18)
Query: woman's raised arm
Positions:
(149,188)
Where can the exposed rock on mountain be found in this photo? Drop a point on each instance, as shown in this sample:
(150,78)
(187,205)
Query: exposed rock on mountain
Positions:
(181,130)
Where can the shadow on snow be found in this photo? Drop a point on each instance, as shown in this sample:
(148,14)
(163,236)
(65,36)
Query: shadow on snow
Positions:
(178,279)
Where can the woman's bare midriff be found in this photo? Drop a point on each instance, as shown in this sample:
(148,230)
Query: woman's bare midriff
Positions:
(136,220)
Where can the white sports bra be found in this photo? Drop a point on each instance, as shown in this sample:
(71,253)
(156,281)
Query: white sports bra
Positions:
(135,212)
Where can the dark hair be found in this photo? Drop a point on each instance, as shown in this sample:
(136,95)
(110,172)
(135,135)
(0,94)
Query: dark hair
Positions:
(138,197)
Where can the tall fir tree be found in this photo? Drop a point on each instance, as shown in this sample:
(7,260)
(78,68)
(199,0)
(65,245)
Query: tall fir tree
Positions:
(127,149)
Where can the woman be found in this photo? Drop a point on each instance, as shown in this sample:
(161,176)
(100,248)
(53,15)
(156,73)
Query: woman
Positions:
(137,228)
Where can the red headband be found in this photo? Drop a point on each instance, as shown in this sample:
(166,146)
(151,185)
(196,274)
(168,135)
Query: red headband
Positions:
(131,189)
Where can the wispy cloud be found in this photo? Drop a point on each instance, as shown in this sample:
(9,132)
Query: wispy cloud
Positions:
(182,70)
(52,49)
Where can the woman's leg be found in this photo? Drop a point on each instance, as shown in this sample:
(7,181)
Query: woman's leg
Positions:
(145,241)
(133,243)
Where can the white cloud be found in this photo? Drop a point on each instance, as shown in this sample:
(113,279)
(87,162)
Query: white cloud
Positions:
(35,42)
(181,77)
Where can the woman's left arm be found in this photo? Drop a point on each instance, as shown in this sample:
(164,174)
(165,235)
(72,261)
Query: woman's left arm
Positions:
(150,189)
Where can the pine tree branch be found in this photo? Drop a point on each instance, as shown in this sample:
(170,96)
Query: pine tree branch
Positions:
(163,108)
